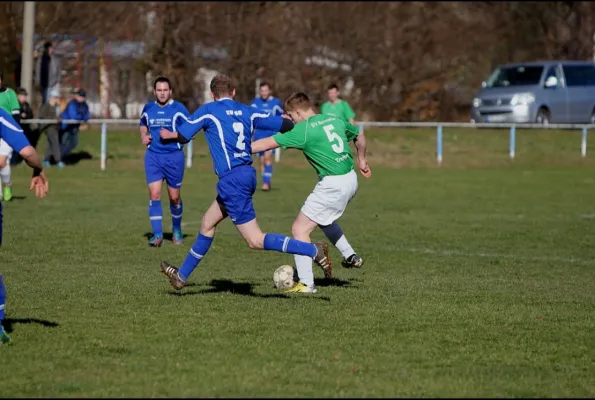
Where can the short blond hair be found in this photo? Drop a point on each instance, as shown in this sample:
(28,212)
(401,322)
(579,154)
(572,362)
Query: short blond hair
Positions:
(297,101)
(221,86)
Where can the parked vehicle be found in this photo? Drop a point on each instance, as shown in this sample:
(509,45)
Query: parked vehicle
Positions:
(561,92)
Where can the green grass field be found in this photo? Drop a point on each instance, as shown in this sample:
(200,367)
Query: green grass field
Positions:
(479,280)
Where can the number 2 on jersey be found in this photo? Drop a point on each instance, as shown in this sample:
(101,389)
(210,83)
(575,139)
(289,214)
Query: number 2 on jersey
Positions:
(238,128)
(332,136)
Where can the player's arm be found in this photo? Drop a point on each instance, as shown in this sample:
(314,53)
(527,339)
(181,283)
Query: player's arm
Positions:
(349,113)
(264,144)
(271,123)
(187,129)
(359,139)
(15,138)
(143,127)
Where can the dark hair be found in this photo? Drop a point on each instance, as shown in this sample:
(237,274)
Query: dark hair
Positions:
(221,86)
(264,83)
(332,86)
(161,79)
(47,45)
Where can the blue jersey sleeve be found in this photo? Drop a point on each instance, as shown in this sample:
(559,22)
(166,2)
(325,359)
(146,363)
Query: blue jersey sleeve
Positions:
(189,127)
(11,132)
(267,122)
(278,108)
(144,118)
(180,116)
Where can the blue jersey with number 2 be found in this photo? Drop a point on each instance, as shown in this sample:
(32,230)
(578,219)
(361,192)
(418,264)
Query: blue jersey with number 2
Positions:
(228,127)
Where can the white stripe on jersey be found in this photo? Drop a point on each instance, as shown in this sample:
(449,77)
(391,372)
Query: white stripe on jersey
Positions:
(256,116)
(9,125)
(219,130)
(278,108)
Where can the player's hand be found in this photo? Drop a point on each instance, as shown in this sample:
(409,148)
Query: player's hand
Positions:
(364,168)
(147,140)
(40,185)
(165,134)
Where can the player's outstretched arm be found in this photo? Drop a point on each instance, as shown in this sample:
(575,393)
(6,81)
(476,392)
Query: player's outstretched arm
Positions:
(264,145)
(360,145)
(39,182)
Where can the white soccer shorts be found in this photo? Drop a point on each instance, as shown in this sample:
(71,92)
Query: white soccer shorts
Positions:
(5,149)
(330,197)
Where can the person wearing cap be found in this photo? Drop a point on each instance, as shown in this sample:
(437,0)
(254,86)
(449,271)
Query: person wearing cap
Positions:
(76,109)
(51,110)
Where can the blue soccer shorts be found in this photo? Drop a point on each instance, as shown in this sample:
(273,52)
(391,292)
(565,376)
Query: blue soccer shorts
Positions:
(235,191)
(168,166)
(259,134)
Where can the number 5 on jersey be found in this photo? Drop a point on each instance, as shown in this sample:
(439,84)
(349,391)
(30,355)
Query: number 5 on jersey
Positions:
(238,128)
(332,136)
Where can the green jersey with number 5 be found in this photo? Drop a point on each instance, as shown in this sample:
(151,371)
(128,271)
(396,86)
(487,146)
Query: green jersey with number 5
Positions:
(324,139)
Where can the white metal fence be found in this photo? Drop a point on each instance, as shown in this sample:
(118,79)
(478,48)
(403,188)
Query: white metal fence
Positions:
(439,126)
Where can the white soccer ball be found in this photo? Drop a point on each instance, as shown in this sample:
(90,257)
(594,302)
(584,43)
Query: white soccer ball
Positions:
(283,277)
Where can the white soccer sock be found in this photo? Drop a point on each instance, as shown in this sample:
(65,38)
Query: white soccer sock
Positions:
(344,247)
(5,174)
(303,265)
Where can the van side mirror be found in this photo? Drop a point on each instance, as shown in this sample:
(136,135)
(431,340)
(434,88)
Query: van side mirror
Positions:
(551,82)
(483,84)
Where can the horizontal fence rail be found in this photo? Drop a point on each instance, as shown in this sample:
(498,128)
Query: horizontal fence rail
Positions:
(439,126)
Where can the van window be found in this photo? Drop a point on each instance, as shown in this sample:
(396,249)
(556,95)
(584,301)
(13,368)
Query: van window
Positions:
(579,75)
(515,76)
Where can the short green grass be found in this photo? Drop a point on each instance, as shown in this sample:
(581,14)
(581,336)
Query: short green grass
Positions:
(479,280)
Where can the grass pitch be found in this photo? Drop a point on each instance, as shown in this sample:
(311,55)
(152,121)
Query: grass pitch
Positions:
(479,280)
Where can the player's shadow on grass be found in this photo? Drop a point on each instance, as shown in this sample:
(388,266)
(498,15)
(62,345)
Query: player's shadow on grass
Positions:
(324,282)
(75,158)
(9,322)
(227,285)
(166,236)
(19,197)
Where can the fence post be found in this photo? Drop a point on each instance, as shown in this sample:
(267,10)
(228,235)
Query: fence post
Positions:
(512,142)
(584,142)
(439,144)
(277,154)
(189,154)
(103,145)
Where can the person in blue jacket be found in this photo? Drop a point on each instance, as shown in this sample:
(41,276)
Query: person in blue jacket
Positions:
(77,109)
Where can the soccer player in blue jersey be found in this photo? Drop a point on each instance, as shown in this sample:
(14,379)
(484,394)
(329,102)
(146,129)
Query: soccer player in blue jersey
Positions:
(272,105)
(13,135)
(164,159)
(228,127)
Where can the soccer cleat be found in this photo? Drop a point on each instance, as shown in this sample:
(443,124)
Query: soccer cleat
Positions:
(178,238)
(302,288)
(46,164)
(174,277)
(353,261)
(156,241)
(61,164)
(323,260)
(7,193)
(266,187)
(4,338)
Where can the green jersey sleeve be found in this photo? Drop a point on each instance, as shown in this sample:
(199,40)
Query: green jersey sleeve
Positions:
(294,139)
(351,131)
(13,101)
(348,111)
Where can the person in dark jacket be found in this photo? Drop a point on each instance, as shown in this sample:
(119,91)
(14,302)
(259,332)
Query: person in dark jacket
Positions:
(47,71)
(51,110)
(77,109)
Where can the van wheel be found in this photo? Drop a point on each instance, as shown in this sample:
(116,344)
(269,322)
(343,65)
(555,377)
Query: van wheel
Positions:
(543,116)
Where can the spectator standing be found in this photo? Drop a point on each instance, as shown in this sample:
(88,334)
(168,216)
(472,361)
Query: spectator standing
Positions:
(77,109)
(47,71)
(51,110)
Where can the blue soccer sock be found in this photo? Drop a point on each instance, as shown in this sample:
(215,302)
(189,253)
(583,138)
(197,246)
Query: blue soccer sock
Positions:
(156,217)
(196,253)
(2,298)
(268,174)
(176,215)
(284,244)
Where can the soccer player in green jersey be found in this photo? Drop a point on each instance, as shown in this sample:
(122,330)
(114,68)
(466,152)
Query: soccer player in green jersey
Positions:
(9,102)
(337,107)
(324,139)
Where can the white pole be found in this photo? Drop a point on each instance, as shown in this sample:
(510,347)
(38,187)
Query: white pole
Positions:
(584,143)
(277,154)
(103,146)
(27,55)
(189,154)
